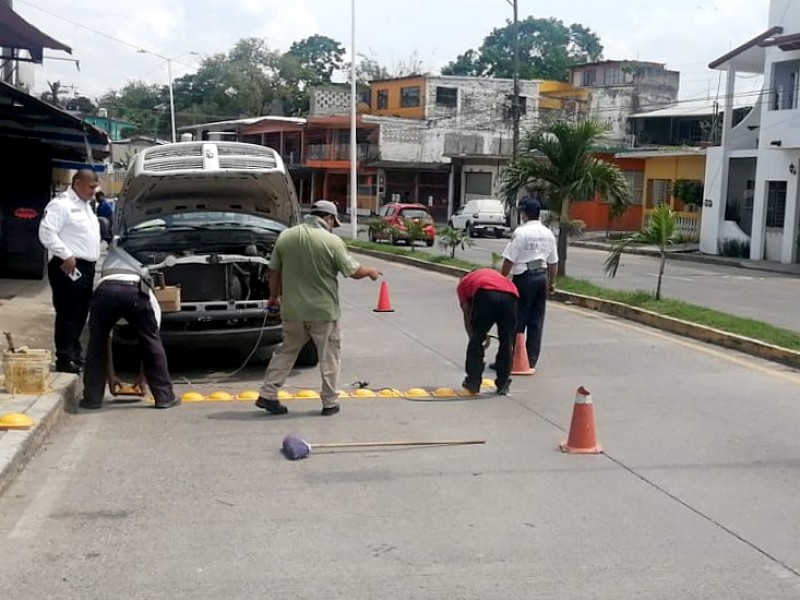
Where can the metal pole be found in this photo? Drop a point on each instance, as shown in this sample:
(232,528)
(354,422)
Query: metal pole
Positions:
(515,103)
(171,100)
(353,146)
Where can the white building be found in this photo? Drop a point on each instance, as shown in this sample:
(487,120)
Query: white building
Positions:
(751,179)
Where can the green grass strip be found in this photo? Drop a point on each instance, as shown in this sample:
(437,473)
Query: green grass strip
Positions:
(700,315)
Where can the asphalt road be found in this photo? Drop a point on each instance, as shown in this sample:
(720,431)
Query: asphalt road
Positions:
(769,297)
(694,498)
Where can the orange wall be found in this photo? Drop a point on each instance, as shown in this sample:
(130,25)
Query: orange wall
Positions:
(595,213)
(394,108)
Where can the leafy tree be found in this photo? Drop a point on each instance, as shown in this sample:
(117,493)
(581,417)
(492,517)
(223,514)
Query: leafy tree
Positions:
(80,104)
(319,57)
(661,231)
(142,103)
(556,158)
(415,231)
(547,49)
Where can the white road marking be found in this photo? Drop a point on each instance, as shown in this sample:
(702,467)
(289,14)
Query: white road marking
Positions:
(689,279)
(33,519)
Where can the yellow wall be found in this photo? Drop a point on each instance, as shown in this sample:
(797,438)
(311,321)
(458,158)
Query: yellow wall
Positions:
(394,109)
(673,168)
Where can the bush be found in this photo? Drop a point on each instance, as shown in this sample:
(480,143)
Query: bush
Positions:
(735,248)
(451,239)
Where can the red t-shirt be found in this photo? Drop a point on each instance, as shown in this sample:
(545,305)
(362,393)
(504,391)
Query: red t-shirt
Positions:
(484,279)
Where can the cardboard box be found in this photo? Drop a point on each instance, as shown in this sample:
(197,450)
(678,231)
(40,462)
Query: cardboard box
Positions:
(169,298)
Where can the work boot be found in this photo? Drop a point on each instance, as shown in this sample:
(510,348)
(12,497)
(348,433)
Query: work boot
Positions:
(329,411)
(273,407)
(169,404)
(502,388)
(90,405)
(472,388)
(68,366)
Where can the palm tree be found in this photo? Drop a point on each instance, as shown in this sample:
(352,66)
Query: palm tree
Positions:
(53,92)
(661,230)
(556,158)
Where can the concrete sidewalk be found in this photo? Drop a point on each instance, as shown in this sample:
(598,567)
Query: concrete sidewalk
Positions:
(26,311)
(691,253)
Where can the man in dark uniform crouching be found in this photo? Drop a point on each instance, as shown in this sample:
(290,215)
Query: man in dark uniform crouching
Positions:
(125,292)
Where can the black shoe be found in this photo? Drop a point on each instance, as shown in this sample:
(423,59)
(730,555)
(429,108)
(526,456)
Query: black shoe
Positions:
(170,404)
(273,407)
(90,405)
(493,366)
(329,411)
(68,366)
(472,388)
(502,390)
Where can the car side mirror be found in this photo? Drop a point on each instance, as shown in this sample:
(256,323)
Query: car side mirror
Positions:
(105,229)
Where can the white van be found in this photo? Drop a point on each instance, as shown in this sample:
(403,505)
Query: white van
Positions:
(205,217)
(478,217)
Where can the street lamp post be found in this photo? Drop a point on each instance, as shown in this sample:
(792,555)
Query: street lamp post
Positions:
(353,116)
(169,85)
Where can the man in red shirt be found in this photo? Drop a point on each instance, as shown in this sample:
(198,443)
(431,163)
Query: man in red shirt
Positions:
(487,298)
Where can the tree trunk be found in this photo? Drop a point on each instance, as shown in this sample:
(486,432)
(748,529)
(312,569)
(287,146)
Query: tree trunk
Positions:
(661,274)
(563,239)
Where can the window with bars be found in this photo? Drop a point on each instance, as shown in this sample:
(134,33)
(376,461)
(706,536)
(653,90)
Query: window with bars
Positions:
(776,204)
(409,97)
(446,96)
(635,181)
(659,191)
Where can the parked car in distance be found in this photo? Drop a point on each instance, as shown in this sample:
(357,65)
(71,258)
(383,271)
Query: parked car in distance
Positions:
(478,217)
(395,215)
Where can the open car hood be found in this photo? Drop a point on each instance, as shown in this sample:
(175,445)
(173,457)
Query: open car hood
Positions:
(207,176)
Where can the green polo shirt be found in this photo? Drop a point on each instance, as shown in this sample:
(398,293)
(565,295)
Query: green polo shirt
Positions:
(310,258)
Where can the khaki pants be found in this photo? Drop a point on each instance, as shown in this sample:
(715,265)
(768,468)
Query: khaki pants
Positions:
(326,337)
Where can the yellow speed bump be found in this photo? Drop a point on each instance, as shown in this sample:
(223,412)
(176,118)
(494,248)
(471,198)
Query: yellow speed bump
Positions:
(444,392)
(220,397)
(487,383)
(417,393)
(248,395)
(192,397)
(15,421)
(306,394)
(284,395)
(390,393)
(363,393)
(343,394)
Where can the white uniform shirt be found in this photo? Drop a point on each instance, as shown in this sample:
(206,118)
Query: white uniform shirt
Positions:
(135,278)
(69,228)
(531,241)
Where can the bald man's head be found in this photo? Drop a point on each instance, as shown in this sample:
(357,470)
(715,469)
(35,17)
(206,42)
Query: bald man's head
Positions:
(84,184)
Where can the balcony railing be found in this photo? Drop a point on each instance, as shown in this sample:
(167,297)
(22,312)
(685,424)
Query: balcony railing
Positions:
(341,152)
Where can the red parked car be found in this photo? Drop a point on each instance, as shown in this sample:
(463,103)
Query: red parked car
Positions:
(395,215)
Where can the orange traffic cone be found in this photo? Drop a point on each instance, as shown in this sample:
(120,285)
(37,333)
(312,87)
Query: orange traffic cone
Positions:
(520,365)
(582,438)
(384,304)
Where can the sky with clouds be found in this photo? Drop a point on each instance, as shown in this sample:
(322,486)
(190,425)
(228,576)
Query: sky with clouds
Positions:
(684,34)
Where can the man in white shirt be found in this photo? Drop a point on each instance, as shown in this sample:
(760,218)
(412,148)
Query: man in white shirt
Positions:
(70,232)
(531,258)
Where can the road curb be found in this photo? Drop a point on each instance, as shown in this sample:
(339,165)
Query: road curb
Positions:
(700,333)
(47,411)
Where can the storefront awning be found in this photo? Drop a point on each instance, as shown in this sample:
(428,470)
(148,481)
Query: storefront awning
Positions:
(27,119)
(18,34)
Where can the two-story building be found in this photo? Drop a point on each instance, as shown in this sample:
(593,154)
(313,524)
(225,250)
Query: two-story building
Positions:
(752,192)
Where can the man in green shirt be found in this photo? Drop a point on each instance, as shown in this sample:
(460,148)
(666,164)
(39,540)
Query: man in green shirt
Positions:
(304,286)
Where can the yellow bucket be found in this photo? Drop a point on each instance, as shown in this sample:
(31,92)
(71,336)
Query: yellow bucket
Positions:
(27,371)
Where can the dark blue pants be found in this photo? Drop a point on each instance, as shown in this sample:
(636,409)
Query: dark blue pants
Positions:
(532,288)
(71,300)
(114,301)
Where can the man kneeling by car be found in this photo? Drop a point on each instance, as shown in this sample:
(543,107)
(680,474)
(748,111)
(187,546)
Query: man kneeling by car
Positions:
(303,283)
(125,292)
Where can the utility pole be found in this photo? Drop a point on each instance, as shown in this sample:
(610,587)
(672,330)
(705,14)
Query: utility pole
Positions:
(353,131)
(515,102)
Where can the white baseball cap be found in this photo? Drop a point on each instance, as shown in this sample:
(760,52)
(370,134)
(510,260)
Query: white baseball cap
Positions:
(329,208)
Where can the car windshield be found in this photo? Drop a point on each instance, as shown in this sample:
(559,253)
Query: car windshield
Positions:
(414,213)
(209,221)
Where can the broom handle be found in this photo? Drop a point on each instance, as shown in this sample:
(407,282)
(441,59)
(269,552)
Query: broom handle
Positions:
(364,444)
